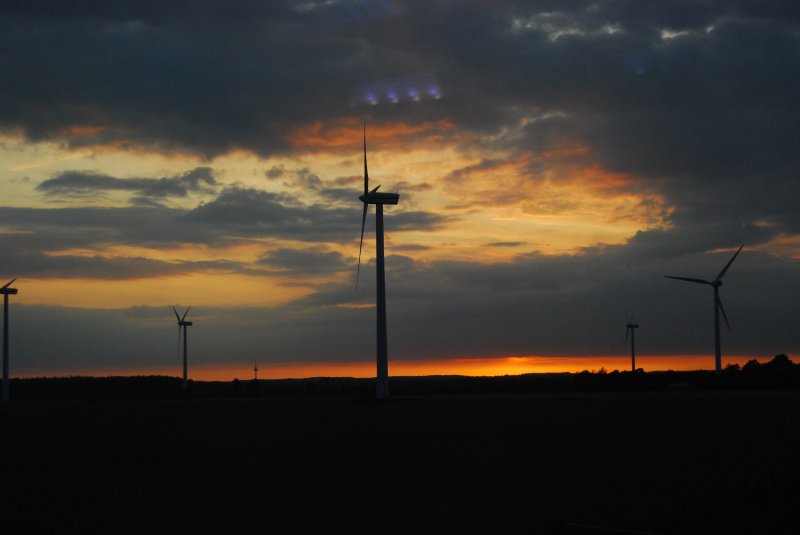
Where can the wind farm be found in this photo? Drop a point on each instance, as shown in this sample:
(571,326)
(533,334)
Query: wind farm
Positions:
(465,371)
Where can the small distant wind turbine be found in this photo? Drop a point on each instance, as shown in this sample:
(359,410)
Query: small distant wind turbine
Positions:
(255,370)
(629,328)
(378,199)
(716,283)
(183,323)
(6,291)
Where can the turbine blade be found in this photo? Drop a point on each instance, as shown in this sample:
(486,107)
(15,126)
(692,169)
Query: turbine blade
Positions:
(176,315)
(361,243)
(722,309)
(9,283)
(187,311)
(366,174)
(700,281)
(626,336)
(721,273)
(179,340)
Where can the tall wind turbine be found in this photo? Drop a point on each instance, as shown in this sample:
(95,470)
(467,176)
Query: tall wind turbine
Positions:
(183,323)
(629,328)
(716,283)
(6,291)
(378,199)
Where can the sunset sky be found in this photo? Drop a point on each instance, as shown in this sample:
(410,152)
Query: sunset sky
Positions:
(554,161)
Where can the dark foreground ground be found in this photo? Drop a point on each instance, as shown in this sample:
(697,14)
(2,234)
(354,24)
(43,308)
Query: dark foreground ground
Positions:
(660,462)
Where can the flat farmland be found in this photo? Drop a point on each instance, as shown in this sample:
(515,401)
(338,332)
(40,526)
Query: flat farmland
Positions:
(664,462)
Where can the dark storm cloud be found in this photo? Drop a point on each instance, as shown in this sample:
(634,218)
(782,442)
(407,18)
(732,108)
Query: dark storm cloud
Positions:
(697,97)
(198,180)
(699,94)
(204,77)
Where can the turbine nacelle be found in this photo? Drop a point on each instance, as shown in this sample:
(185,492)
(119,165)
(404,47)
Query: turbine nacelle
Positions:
(182,320)
(374,197)
(370,197)
(11,291)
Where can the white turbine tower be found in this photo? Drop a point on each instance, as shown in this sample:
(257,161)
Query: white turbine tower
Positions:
(716,283)
(378,199)
(183,323)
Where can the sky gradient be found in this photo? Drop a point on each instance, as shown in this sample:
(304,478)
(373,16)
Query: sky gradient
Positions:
(554,161)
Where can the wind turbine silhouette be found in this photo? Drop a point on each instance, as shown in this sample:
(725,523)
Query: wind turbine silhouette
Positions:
(6,291)
(184,324)
(629,328)
(378,199)
(716,283)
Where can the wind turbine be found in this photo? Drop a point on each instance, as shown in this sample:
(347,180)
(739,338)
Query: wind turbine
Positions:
(716,283)
(629,328)
(378,199)
(255,370)
(6,291)
(183,323)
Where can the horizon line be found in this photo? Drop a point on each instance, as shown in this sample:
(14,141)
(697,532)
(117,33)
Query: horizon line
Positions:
(466,367)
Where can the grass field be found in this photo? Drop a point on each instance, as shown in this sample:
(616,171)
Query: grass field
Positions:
(683,462)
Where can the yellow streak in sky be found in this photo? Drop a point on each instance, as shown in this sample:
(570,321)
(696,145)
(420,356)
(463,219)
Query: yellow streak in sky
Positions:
(224,289)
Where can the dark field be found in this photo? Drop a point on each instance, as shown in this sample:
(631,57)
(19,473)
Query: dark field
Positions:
(661,462)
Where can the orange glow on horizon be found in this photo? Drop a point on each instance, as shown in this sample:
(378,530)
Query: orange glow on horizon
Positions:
(472,367)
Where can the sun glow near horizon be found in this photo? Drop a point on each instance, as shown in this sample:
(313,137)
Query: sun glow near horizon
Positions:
(471,367)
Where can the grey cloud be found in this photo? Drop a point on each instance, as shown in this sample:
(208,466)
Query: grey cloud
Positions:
(39,265)
(410,247)
(535,305)
(311,261)
(575,305)
(198,180)
(275,172)
(506,244)
(339,194)
(235,215)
